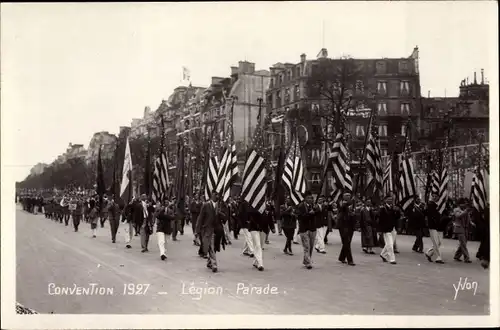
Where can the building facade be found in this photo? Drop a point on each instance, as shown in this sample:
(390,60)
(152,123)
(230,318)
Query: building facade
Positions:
(388,86)
(38,169)
(101,139)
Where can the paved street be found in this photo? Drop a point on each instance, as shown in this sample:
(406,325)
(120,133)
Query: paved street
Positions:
(49,252)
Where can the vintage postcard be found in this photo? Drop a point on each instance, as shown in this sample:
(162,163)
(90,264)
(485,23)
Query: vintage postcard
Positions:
(249,164)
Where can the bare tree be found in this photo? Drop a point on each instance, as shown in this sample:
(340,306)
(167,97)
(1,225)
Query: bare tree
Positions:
(338,86)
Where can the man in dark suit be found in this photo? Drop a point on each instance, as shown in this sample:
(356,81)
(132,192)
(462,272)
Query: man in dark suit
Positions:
(147,211)
(113,212)
(388,218)
(417,223)
(195,209)
(209,226)
(346,223)
(307,227)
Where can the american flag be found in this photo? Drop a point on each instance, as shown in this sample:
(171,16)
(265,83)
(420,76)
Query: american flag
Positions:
(387,180)
(339,162)
(443,190)
(374,162)
(407,188)
(212,170)
(293,175)
(228,169)
(254,184)
(435,182)
(161,180)
(479,195)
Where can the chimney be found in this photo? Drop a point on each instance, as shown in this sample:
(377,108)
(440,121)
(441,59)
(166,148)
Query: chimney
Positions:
(302,58)
(234,70)
(467,81)
(246,67)
(482,76)
(429,94)
(475,80)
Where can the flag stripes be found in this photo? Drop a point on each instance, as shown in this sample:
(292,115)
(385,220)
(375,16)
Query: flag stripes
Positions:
(341,167)
(387,179)
(407,187)
(479,195)
(228,172)
(212,176)
(374,162)
(228,169)
(160,178)
(254,181)
(254,185)
(443,191)
(293,174)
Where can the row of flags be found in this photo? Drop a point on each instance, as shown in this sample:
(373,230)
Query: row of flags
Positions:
(397,177)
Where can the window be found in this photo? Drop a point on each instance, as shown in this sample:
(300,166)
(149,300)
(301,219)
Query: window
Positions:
(381,67)
(359,87)
(281,78)
(278,99)
(405,108)
(382,108)
(296,93)
(287,95)
(382,130)
(360,130)
(315,178)
(403,66)
(297,71)
(382,87)
(271,84)
(270,100)
(383,152)
(404,87)
(403,130)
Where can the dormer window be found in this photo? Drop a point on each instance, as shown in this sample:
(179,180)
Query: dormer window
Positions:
(381,67)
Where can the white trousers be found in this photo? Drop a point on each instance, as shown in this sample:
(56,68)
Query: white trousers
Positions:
(162,242)
(248,247)
(226,231)
(128,232)
(436,244)
(257,240)
(320,238)
(388,251)
(296,236)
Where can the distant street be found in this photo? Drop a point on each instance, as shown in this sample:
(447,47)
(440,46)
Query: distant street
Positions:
(49,252)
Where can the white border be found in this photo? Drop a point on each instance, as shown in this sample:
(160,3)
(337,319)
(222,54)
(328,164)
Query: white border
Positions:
(11,320)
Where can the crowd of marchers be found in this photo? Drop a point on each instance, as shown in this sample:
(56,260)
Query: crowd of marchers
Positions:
(216,223)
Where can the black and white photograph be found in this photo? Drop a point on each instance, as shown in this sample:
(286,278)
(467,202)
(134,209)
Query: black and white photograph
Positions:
(249,164)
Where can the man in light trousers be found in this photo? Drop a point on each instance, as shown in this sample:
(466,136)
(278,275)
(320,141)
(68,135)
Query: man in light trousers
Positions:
(322,225)
(307,227)
(433,222)
(389,215)
(243,222)
(256,227)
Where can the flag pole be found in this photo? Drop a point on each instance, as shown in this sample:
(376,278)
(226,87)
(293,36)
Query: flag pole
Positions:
(362,161)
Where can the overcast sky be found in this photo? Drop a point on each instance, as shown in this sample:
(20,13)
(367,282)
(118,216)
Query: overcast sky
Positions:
(69,70)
